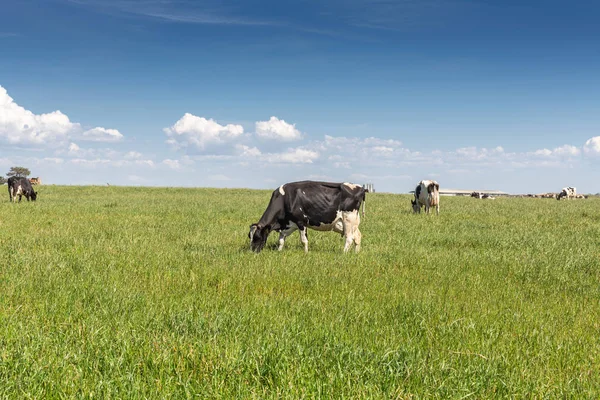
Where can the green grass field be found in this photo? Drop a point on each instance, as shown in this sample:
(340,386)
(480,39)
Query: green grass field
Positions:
(113,292)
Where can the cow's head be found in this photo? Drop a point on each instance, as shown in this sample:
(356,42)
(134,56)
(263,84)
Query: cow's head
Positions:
(258,237)
(415,205)
(33,195)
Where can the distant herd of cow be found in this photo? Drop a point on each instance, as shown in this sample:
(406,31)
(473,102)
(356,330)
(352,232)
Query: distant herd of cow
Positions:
(567,193)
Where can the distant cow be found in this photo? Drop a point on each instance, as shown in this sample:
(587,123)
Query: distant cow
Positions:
(485,196)
(320,206)
(35,181)
(568,193)
(19,186)
(427,193)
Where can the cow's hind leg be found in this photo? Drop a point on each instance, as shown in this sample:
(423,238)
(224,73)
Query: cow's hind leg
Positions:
(357,239)
(304,238)
(351,221)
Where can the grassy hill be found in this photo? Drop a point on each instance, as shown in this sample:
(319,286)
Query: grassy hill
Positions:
(152,292)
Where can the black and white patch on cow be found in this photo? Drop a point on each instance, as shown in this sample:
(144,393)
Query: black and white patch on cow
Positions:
(567,193)
(321,206)
(19,187)
(427,193)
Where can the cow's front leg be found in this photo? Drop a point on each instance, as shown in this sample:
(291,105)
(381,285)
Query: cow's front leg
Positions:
(284,233)
(437,209)
(281,241)
(304,238)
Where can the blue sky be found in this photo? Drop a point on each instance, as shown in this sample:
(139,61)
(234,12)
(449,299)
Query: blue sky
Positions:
(475,94)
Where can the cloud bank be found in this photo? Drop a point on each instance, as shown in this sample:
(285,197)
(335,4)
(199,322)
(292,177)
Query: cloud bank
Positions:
(19,126)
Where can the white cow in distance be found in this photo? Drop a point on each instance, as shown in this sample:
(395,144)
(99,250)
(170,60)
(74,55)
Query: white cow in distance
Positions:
(568,193)
(427,193)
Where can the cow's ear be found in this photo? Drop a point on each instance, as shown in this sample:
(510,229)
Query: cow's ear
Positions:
(253,229)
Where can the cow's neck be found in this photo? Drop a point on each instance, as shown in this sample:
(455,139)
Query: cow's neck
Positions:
(268,219)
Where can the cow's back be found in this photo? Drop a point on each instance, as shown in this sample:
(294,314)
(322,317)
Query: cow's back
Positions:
(319,202)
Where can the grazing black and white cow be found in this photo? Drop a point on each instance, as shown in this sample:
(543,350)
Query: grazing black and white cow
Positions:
(320,206)
(568,193)
(19,186)
(427,193)
(484,196)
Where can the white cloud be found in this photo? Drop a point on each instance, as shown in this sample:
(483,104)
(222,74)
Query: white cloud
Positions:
(350,152)
(133,155)
(592,146)
(100,134)
(118,163)
(383,150)
(199,132)
(567,150)
(543,152)
(173,164)
(74,149)
(562,151)
(247,151)
(294,156)
(146,163)
(54,160)
(277,129)
(19,126)
(355,144)
(90,163)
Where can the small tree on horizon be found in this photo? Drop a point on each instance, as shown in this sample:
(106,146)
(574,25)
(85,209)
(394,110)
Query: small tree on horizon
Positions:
(2,180)
(19,172)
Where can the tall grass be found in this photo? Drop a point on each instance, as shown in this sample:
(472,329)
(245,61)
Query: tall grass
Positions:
(115,292)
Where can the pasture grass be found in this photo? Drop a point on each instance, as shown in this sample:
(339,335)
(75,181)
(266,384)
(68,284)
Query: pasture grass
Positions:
(123,292)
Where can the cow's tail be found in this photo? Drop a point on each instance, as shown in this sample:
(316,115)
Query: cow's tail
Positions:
(364,203)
